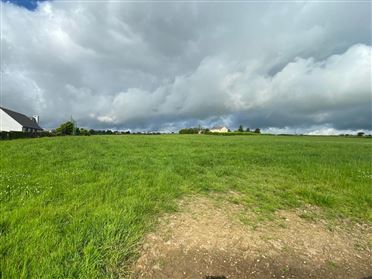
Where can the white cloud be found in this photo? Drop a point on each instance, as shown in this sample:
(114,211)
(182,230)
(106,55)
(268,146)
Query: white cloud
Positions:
(324,130)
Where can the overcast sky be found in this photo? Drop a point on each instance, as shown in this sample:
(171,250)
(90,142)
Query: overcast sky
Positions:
(281,66)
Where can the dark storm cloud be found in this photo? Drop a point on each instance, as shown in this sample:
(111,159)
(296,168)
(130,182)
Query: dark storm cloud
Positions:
(161,66)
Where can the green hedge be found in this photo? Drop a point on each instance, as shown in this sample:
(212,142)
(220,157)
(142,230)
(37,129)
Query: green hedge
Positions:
(191,131)
(233,134)
(22,135)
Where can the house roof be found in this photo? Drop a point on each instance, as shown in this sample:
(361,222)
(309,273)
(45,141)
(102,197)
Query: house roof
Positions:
(22,119)
(218,127)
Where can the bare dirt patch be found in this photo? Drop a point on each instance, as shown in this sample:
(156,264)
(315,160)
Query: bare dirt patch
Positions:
(208,240)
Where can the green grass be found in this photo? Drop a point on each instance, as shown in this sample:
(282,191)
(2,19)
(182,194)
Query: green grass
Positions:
(77,207)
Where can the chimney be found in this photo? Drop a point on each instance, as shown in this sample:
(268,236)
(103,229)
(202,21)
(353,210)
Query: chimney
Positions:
(36,118)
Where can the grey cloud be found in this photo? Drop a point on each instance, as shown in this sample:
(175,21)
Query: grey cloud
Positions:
(161,66)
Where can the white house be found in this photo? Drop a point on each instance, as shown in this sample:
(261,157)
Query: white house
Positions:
(222,129)
(15,121)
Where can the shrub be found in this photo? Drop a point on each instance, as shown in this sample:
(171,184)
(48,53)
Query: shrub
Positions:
(66,128)
(84,132)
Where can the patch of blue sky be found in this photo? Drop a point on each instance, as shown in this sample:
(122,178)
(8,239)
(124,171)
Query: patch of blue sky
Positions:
(28,4)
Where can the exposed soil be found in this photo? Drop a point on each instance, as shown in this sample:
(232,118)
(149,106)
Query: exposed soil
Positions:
(208,240)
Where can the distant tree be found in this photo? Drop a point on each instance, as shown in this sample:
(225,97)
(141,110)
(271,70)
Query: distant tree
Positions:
(198,130)
(84,132)
(257,131)
(247,130)
(241,129)
(189,131)
(65,128)
(360,134)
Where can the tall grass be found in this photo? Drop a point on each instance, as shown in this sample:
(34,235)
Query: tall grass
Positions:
(78,206)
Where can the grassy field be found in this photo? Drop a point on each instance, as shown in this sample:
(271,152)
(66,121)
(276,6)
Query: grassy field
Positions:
(77,206)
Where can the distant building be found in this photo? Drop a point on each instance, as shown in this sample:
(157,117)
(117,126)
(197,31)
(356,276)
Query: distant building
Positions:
(221,129)
(15,121)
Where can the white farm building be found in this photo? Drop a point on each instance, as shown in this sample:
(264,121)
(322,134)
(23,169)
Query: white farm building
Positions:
(219,130)
(15,121)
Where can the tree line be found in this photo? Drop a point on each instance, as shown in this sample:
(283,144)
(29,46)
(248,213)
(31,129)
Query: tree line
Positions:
(68,128)
(200,130)
(248,130)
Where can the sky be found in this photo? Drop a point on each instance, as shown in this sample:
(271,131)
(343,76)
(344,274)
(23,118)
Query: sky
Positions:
(285,67)
(28,4)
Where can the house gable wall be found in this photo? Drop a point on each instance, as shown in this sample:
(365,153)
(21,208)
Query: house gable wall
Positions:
(7,123)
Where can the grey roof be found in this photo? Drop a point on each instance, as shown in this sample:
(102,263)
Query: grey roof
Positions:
(218,127)
(22,119)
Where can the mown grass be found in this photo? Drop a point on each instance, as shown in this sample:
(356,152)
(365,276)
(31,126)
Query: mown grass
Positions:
(76,207)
